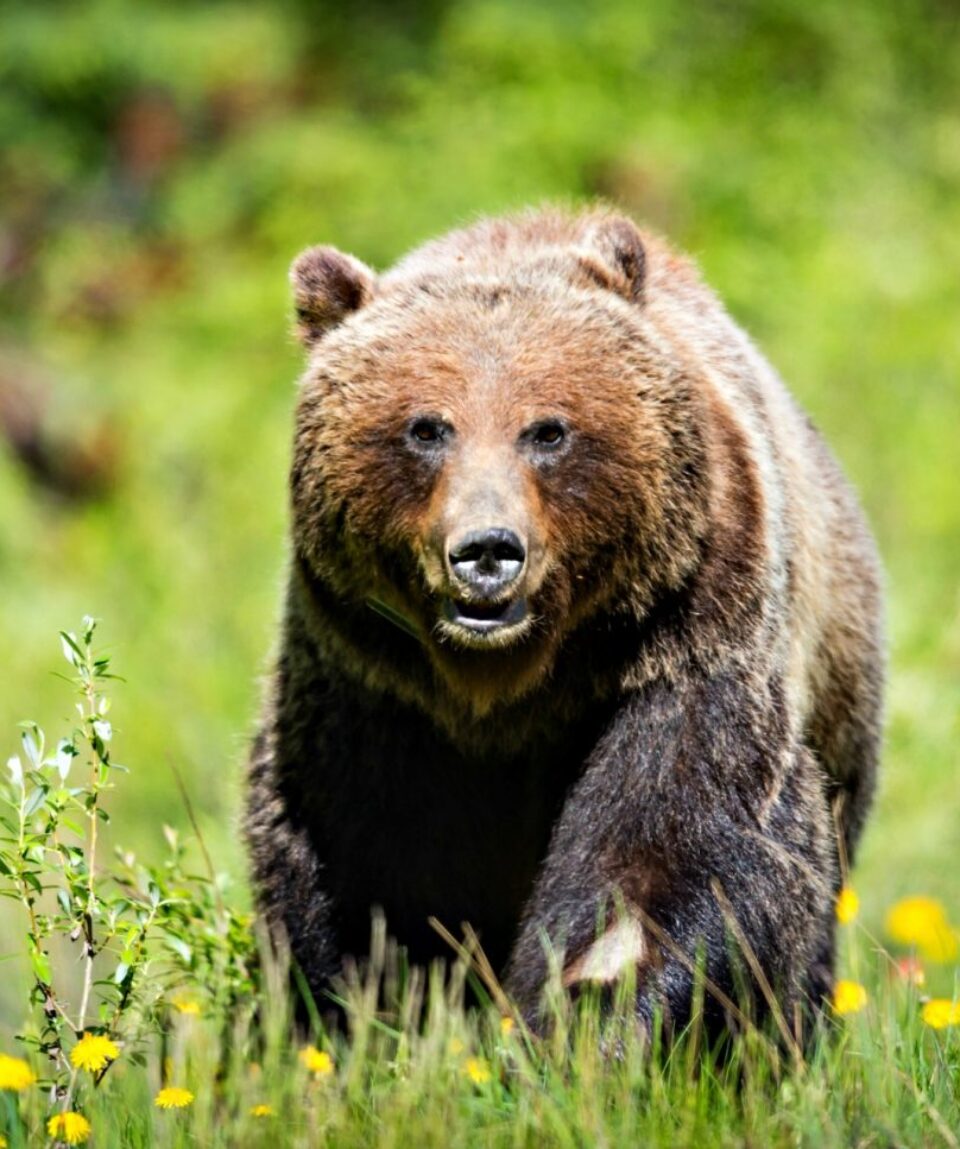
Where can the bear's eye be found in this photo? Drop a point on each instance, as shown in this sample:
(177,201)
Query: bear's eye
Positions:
(550,433)
(427,431)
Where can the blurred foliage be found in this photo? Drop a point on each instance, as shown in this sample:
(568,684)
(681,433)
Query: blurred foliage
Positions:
(161,163)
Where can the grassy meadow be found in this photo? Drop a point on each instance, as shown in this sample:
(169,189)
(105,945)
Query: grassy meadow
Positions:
(160,166)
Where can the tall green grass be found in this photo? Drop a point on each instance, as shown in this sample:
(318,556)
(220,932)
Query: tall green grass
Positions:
(203,1050)
(429,1073)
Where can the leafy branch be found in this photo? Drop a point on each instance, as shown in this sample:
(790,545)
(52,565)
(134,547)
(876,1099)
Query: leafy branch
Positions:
(144,933)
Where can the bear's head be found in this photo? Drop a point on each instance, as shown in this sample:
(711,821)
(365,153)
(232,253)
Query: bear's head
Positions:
(495,445)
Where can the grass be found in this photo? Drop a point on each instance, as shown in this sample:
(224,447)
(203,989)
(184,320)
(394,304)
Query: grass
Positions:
(429,1073)
(192,1049)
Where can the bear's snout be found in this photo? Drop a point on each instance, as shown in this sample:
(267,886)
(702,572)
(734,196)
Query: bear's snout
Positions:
(485,568)
(486,561)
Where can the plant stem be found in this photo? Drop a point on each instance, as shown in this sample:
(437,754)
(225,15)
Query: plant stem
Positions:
(97,763)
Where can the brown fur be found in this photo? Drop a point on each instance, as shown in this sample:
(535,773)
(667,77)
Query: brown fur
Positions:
(698,672)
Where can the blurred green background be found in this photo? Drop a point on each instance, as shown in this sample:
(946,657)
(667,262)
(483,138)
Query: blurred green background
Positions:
(160,165)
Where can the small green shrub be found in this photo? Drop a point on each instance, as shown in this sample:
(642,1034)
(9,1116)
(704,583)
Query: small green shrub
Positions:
(146,939)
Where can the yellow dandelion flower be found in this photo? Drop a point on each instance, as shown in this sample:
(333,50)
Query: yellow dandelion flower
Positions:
(263,1111)
(847,905)
(506,1026)
(94,1052)
(943,947)
(73,1128)
(15,1074)
(477,1070)
(173,1097)
(186,1005)
(3,1142)
(922,922)
(849,996)
(939,1012)
(912,918)
(455,1047)
(318,1061)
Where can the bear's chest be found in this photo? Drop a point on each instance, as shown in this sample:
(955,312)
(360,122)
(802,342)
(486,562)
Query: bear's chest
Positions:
(405,822)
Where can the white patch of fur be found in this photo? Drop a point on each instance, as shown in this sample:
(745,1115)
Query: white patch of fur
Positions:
(622,946)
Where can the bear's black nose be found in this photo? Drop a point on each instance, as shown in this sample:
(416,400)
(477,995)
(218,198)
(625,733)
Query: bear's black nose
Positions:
(487,560)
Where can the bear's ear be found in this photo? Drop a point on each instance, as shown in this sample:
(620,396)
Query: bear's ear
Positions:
(612,253)
(327,286)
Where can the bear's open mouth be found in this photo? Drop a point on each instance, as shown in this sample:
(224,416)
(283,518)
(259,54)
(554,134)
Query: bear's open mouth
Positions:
(485,617)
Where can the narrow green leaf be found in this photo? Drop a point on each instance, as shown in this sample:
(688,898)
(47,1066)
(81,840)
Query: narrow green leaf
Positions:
(41,966)
(32,741)
(63,759)
(32,880)
(35,801)
(180,947)
(15,767)
(71,651)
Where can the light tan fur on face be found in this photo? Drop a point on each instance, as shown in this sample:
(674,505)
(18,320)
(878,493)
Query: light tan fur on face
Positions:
(622,946)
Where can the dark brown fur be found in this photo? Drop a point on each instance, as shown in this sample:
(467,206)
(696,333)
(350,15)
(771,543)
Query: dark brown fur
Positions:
(698,676)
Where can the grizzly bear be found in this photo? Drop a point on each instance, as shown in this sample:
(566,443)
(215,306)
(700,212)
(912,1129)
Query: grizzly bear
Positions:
(582,638)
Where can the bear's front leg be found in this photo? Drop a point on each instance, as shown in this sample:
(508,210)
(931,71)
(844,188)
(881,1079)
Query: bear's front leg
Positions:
(696,790)
(286,870)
